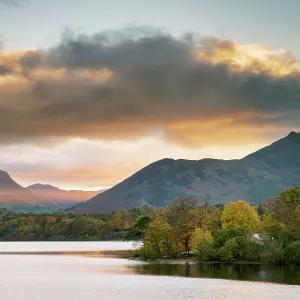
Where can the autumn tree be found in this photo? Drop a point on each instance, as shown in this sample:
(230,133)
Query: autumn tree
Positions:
(200,236)
(240,215)
(290,197)
(182,216)
(206,199)
(158,239)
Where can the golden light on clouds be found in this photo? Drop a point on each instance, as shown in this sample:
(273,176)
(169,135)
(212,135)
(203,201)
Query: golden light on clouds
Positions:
(211,98)
(250,57)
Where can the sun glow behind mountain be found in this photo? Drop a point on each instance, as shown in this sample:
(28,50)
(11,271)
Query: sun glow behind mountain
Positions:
(92,107)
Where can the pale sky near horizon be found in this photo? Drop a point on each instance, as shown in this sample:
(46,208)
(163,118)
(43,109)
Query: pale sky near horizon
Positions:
(86,110)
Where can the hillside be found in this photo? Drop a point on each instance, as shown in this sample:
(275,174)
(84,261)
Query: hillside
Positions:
(257,176)
(13,194)
(37,197)
(61,197)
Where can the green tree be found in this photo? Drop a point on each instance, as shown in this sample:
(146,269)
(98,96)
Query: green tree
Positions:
(137,231)
(206,252)
(230,252)
(292,252)
(224,235)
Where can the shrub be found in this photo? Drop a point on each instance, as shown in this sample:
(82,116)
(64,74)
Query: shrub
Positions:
(292,252)
(230,252)
(206,252)
(250,251)
(273,252)
(226,234)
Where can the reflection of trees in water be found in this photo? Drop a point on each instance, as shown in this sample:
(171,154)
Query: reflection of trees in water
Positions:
(289,274)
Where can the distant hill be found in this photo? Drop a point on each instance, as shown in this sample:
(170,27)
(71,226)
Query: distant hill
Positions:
(61,197)
(13,194)
(255,177)
(37,197)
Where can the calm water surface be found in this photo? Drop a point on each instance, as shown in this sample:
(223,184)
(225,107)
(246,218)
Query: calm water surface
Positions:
(57,277)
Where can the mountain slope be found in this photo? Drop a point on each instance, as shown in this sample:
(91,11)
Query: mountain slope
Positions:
(257,176)
(11,193)
(61,197)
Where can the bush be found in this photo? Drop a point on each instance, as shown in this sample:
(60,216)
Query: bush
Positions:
(273,252)
(230,252)
(250,251)
(206,252)
(292,252)
(224,235)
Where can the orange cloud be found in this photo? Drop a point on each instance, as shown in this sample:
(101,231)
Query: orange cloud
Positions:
(206,91)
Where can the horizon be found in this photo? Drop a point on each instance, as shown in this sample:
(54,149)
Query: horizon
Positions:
(94,99)
(103,188)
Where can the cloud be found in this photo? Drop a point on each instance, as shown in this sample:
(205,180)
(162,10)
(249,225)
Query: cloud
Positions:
(85,163)
(137,82)
(13,3)
(4,70)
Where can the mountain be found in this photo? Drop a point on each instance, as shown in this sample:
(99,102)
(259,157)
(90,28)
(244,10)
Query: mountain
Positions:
(255,177)
(38,197)
(13,194)
(61,197)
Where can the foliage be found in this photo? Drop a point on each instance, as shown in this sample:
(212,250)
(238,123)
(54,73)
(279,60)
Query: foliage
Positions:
(206,252)
(183,217)
(69,227)
(226,234)
(240,215)
(230,252)
(273,252)
(137,231)
(199,236)
(292,252)
(216,233)
(158,239)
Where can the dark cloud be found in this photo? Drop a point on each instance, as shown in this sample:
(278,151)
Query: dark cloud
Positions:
(4,70)
(120,84)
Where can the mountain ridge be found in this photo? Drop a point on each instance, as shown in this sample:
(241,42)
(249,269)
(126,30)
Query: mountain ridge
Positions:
(263,173)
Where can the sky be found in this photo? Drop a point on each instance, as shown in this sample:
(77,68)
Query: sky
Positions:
(91,91)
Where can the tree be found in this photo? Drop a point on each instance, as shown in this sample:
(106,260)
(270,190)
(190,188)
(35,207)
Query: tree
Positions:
(290,197)
(138,230)
(158,239)
(292,252)
(116,220)
(230,252)
(182,216)
(199,236)
(224,235)
(240,215)
(206,199)
(206,252)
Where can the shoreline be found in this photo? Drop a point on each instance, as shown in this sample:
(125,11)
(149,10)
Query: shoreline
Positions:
(129,254)
(106,253)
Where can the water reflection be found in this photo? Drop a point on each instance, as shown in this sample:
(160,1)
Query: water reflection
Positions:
(288,274)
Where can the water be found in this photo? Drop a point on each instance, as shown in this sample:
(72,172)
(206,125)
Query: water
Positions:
(68,277)
(63,246)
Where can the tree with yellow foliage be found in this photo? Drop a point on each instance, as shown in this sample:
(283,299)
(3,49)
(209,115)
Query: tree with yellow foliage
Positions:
(199,236)
(240,215)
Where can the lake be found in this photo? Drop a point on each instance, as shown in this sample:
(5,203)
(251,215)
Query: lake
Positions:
(71,277)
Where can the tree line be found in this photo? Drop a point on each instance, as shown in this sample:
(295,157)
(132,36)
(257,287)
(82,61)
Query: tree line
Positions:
(268,232)
(68,227)
(238,231)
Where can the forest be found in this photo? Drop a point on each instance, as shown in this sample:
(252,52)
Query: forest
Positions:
(239,232)
(68,227)
(268,232)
